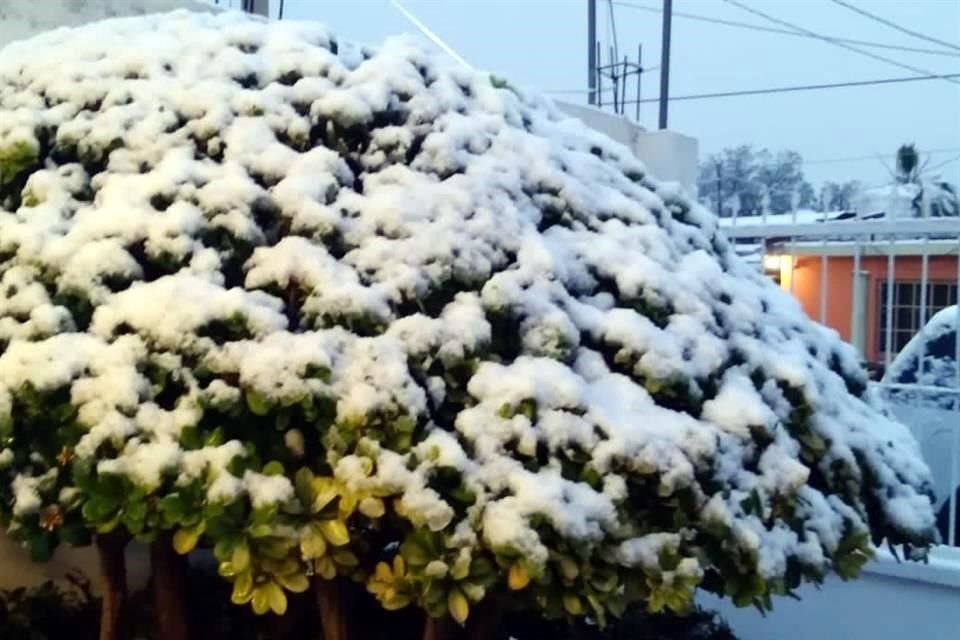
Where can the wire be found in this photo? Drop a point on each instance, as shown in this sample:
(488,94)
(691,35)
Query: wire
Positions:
(870,157)
(433,37)
(613,27)
(941,164)
(752,92)
(837,43)
(280,12)
(786,32)
(578,91)
(806,87)
(894,25)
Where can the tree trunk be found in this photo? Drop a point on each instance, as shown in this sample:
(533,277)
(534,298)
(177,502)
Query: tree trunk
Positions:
(484,622)
(169,584)
(438,628)
(113,569)
(332,607)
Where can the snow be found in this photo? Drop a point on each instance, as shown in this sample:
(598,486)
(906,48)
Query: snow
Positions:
(267,221)
(930,358)
(921,387)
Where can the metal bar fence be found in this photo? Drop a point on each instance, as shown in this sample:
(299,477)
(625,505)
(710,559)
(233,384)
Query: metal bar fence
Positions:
(902,260)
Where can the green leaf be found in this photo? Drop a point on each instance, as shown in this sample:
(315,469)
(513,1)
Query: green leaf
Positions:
(190,438)
(223,549)
(261,600)
(99,509)
(273,468)
(173,508)
(186,539)
(240,557)
(75,534)
(418,549)
(518,576)
(242,588)
(335,531)
(257,403)
(215,438)
(313,544)
(572,604)
(265,515)
(134,514)
(458,605)
(303,483)
(276,598)
(404,424)
(295,582)
(275,548)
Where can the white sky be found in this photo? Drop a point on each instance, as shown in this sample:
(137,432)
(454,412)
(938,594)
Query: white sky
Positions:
(542,44)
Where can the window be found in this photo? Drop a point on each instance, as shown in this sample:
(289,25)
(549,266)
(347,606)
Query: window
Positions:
(906,315)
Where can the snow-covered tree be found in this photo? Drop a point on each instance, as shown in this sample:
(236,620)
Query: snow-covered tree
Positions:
(749,182)
(840,196)
(344,313)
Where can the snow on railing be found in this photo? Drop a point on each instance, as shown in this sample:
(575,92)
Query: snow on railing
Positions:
(879,282)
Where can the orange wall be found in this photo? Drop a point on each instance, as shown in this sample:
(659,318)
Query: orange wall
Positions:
(805,279)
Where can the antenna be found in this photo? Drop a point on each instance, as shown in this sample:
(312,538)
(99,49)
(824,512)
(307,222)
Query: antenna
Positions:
(620,72)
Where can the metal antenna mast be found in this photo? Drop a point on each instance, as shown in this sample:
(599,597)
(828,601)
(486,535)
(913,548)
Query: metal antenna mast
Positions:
(665,63)
(592,50)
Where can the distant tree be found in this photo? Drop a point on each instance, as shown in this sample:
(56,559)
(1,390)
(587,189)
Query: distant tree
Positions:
(728,182)
(780,176)
(838,196)
(908,164)
(944,199)
(934,197)
(807,197)
(746,181)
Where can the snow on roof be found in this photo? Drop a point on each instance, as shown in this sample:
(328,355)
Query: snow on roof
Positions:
(243,205)
(801,216)
(893,200)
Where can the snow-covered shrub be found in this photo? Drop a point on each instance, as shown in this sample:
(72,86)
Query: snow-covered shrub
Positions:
(337,311)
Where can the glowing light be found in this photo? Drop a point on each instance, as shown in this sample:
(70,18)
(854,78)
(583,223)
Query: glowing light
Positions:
(771,263)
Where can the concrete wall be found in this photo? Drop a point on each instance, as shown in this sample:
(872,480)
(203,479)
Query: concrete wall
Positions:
(21,19)
(668,155)
(17,570)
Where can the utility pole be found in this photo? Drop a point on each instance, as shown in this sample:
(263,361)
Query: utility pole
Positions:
(665,63)
(592,51)
(719,190)
(260,7)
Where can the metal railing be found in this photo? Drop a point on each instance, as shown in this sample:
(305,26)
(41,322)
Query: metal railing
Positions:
(847,274)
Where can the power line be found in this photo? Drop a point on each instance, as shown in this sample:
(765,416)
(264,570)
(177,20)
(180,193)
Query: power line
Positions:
(873,157)
(894,25)
(941,164)
(805,87)
(433,37)
(582,91)
(786,32)
(837,43)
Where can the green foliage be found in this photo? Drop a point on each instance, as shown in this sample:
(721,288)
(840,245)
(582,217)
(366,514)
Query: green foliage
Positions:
(14,160)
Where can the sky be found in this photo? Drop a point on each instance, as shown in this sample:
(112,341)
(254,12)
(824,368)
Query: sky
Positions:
(541,44)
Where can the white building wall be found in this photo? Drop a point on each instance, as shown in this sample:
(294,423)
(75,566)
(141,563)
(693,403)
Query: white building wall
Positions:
(668,155)
(21,19)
